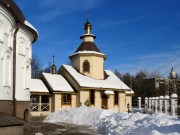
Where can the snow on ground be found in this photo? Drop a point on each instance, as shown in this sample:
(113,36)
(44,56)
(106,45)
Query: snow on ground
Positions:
(108,122)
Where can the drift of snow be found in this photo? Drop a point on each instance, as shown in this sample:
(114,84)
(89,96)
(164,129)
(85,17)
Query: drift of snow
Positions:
(108,122)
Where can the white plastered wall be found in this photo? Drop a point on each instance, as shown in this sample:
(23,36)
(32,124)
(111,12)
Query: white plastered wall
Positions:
(7,27)
(23,66)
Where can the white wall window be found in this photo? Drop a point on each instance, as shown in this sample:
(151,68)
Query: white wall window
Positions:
(1,32)
(27,52)
(10,38)
(7,69)
(21,46)
(27,77)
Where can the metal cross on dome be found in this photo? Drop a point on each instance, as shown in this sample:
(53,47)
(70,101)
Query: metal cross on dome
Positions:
(53,59)
(87,15)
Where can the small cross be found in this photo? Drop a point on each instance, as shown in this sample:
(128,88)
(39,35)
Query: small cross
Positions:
(53,59)
(87,15)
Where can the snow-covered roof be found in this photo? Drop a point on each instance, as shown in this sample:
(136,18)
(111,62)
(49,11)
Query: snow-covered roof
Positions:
(88,52)
(38,86)
(109,92)
(130,92)
(111,82)
(31,26)
(57,82)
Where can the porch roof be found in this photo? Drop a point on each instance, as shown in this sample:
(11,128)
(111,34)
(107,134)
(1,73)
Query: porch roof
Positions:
(57,82)
(38,86)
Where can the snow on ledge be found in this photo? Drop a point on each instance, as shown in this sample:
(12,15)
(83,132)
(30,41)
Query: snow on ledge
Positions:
(109,92)
(31,26)
(88,52)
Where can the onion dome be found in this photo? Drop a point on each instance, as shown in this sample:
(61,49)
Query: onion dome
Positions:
(173,74)
(87,27)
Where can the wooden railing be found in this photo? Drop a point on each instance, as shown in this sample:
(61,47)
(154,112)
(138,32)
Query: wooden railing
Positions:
(40,106)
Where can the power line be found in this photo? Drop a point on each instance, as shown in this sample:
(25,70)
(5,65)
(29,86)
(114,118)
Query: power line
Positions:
(170,69)
(168,63)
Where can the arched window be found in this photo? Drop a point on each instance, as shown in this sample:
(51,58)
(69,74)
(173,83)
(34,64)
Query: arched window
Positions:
(6,57)
(27,77)
(10,39)
(86,66)
(7,71)
(21,46)
(1,32)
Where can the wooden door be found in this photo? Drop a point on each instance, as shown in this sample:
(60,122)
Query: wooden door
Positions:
(104,104)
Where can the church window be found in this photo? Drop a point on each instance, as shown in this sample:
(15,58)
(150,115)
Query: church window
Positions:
(1,32)
(21,46)
(86,66)
(92,97)
(10,40)
(7,71)
(66,98)
(116,99)
(27,77)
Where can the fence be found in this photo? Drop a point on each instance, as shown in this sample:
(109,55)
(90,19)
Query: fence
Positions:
(162,104)
(39,106)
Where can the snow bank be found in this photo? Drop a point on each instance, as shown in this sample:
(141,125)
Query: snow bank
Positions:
(80,115)
(108,122)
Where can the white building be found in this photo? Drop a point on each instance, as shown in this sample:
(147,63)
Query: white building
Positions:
(16,38)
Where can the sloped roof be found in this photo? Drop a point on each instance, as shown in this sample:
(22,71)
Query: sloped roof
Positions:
(38,86)
(111,82)
(8,120)
(88,46)
(57,82)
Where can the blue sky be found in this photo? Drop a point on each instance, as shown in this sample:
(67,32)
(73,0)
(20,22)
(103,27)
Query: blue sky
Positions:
(134,34)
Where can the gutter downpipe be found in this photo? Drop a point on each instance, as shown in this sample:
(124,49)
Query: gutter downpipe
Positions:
(14,69)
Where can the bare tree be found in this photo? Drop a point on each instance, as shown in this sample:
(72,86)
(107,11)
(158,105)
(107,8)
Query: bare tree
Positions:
(118,74)
(126,78)
(48,68)
(36,68)
(155,74)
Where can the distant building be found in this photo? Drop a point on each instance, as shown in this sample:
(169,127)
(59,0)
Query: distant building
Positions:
(16,38)
(155,87)
(85,82)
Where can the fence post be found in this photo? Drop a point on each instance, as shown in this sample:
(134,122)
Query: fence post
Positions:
(166,104)
(139,102)
(161,103)
(150,103)
(153,104)
(173,104)
(146,104)
(156,104)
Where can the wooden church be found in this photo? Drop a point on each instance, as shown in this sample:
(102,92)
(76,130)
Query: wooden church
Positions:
(85,82)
